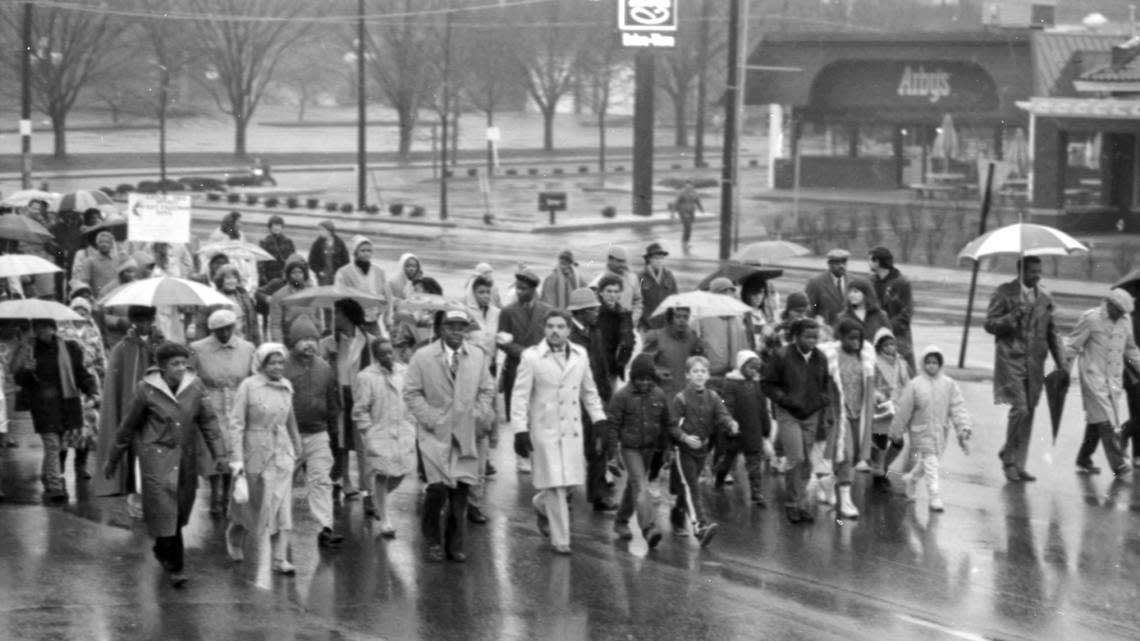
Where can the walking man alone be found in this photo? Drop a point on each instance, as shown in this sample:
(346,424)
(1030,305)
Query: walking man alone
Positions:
(1020,317)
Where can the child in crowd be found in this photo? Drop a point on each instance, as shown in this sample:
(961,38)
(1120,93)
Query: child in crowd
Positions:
(749,408)
(929,406)
(640,423)
(700,411)
(891,375)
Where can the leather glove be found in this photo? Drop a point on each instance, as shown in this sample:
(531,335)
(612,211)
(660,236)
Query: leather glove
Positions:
(523,446)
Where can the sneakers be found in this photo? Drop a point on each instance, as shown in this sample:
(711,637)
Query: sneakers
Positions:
(623,531)
(284,568)
(1087,468)
(825,490)
(178,579)
(705,533)
(652,535)
(847,507)
(910,486)
(936,504)
(489,470)
(523,465)
(862,466)
(329,539)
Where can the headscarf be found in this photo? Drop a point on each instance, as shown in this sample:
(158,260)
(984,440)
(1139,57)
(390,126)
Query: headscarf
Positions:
(264,351)
(1122,299)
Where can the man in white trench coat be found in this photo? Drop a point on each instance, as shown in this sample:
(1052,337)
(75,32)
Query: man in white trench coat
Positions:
(553,378)
(1103,339)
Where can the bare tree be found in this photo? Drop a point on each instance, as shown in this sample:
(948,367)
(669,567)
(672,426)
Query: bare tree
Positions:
(314,66)
(548,46)
(602,63)
(242,42)
(701,42)
(486,70)
(72,49)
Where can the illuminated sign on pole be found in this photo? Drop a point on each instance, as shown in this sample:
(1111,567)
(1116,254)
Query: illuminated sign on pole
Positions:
(648,23)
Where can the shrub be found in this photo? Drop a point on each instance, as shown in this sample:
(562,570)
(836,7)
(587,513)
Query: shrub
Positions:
(291,202)
(609,211)
(619,168)
(472,172)
(583,169)
(202,183)
(171,185)
(395,209)
(347,208)
(107,190)
(558,171)
(372,209)
(533,171)
(213,196)
(417,212)
(251,199)
(512,171)
(124,188)
(330,206)
(233,198)
(148,187)
(272,201)
(312,203)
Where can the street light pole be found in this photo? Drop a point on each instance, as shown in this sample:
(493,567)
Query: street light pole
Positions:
(361,116)
(164,83)
(728,174)
(26,101)
(446,112)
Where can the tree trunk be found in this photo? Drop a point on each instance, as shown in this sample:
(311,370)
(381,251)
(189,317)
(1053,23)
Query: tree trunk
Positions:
(681,132)
(239,135)
(59,133)
(602,147)
(407,128)
(548,125)
(301,104)
(455,136)
(114,114)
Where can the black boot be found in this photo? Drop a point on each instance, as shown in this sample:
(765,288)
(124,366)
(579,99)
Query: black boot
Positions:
(80,463)
(216,493)
(227,491)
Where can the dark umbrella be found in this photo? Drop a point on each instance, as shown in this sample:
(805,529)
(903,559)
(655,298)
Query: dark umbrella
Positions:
(739,273)
(1130,283)
(117,226)
(22,228)
(1056,387)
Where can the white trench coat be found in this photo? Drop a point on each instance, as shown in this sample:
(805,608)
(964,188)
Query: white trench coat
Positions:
(547,401)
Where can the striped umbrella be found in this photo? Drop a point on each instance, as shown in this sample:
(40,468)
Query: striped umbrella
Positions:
(85,199)
(164,290)
(1022,239)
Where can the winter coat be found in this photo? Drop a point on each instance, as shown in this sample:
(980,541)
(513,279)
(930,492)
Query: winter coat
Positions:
(164,427)
(891,376)
(927,408)
(872,322)
(699,413)
(242,304)
(670,351)
(557,287)
(639,421)
(526,325)
(1103,346)
(590,340)
(1022,343)
(38,373)
(282,314)
(247,267)
(401,285)
(548,399)
(220,369)
(451,413)
(723,337)
(374,282)
(654,289)
(798,386)
(324,269)
(630,296)
(281,248)
(488,327)
(826,299)
(386,427)
(896,299)
(837,445)
(747,404)
(127,364)
(615,327)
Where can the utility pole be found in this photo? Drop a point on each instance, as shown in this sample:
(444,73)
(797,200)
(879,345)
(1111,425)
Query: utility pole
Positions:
(446,112)
(732,88)
(645,67)
(163,87)
(361,111)
(26,101)
(702,85)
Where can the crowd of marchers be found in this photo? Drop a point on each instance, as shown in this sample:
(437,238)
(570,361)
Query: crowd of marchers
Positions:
(610,381)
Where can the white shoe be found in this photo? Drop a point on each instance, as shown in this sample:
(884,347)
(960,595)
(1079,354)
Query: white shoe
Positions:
(826,492)
(283,567)
(936,504)
(523,465)
(910,486)
(780,464)
(847,507)
(812,487)
(862,466)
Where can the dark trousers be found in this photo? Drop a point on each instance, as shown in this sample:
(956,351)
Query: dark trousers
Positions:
(596,487)
(686,225)
(341,447)
(1097,433)
(445,516)
(1019,429)
(1131,427)
(753,463)
(690,464)
(169,551)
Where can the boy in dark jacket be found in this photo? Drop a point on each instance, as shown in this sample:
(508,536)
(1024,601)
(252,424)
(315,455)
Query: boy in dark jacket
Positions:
(700,412)
(640,422)
(797,381)
(749,408)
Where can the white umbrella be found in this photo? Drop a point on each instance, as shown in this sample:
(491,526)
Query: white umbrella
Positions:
(83,199)
(24,265)
(1022,239)
(164,290)
(704,304)
(237,250)
(23,197)
(767,252)
(34,308)
(327,295)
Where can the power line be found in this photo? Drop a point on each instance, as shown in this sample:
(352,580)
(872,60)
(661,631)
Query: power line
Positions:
(334,19)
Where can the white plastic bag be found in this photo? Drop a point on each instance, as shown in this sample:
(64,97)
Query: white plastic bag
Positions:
(240,489)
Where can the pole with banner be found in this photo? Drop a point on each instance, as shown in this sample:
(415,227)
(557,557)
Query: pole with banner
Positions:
(992,175)
(158,218)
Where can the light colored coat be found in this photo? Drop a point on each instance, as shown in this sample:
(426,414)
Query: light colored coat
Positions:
(837,438)
(548,400)
(450,413)
(1102,345)
(927,408)
(263,434)
(386,427)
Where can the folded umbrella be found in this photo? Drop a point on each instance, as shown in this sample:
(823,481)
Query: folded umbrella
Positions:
(37,308)
(22,228)
(25,265)
(1056,387)
(327,295)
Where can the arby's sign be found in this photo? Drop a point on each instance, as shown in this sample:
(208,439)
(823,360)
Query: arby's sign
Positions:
(937,86)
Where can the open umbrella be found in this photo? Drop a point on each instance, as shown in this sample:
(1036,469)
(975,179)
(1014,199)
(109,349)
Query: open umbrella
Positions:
(25,265)
(946,143)
(164,290)
(1022,239)
(1056,387)
(84,199)
(236,249)
(24,196)
(34,308)
(704,305)
(1130,283)
(739,272)
(770,251)
(418,301)
(326,295)
(22,228)
(117,225)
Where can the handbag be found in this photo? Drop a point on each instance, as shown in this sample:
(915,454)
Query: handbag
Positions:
(241,489)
